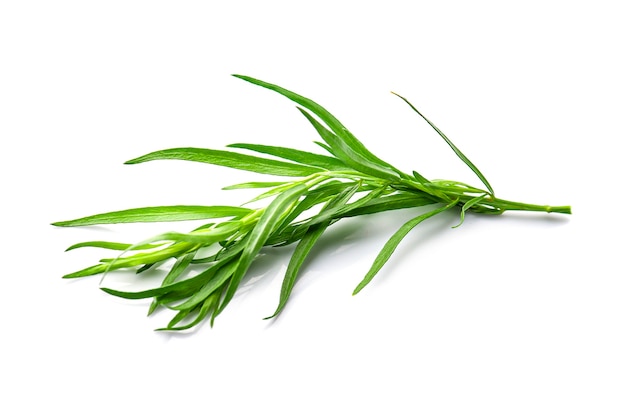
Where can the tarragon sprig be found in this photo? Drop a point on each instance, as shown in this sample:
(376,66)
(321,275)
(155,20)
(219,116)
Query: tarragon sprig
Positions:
(348,181)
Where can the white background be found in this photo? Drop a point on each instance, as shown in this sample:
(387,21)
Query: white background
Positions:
(514,312)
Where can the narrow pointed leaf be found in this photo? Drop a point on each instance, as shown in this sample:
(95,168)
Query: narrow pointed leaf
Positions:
(139,259)
(300,253)
(393,242)
(309,104)
(338,209)
(145,268)
(181,315)
(348,155)
(304,247)
(274,191)
(420,178)
(88,271)
(311,198)
(221,276)
(179,287)
(388,203)
(374,204)
(452,146)
(111,246)
(298,156)
(208,305)
(260,184)
(335,125)
(229,159)
(467,206)
(259,235)
(325,147)
(205,237)
(176,271)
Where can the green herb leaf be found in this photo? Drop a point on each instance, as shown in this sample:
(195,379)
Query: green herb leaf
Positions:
(469,204)
(388,203)
(222,275)
(157,214)
(353,158)
(453,147)
(304,247)
(261,184)
(206,307)
(111,246)
(179,288)
(393,243)
(182,262)
(331,121)
(259,235)
(302,157)
(229,159)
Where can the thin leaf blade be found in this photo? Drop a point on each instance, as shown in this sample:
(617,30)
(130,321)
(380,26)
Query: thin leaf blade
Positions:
(298,156)
(331,121)
(157,214)
(108,245)
(391,245)
(254,184)
(259,235)
(348,155)
(229,159)
(303,248)
(454,148)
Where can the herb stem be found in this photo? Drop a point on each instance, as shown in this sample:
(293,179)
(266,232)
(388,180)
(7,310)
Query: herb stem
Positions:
(514,205)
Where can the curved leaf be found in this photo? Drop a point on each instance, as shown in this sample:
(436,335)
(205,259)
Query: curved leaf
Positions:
(272,216)
(453,147)
(304,248)
(302,157)
(391,245)
(229,159)
(111,246)
(348,155)
(331,121)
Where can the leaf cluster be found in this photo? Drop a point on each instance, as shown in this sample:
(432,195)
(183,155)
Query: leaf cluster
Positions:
(347,181)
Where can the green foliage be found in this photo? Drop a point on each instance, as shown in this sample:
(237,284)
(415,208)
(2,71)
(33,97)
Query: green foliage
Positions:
(350,182)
